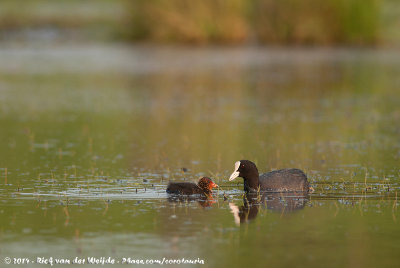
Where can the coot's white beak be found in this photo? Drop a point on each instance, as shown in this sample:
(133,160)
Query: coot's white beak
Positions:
(236,173)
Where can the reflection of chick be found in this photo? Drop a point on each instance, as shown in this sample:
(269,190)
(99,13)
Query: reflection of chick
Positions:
(204,187)
(203,201)
(206,202)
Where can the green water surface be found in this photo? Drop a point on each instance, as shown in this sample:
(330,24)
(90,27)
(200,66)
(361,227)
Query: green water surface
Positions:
(90,137)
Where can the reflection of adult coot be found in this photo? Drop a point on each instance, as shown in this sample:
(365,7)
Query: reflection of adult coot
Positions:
(278,202)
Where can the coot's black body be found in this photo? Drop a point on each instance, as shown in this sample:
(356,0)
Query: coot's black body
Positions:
(283,180)
(203,187)
(185,188)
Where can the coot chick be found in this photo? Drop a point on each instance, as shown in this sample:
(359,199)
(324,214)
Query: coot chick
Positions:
(283,180)
(204,186)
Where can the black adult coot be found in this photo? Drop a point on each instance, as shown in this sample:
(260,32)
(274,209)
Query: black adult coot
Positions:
(283,180)
(204,186)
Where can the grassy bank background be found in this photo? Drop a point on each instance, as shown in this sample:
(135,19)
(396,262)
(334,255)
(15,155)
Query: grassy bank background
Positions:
(261,21)
(329,22)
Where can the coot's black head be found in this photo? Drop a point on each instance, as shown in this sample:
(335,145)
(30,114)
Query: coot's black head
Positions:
(206,184)
(245,169)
